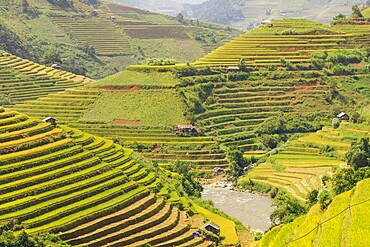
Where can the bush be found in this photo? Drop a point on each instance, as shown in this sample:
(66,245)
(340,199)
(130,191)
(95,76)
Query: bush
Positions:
(289,31)
(335,123)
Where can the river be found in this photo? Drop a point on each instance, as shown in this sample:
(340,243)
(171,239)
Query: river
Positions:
(251,209)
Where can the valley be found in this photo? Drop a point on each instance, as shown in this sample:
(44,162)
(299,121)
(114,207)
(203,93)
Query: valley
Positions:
(117,155)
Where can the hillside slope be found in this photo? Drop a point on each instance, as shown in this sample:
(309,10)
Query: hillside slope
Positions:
(76,36)
(343,223)
(293,39)
(248,14)
(85,188)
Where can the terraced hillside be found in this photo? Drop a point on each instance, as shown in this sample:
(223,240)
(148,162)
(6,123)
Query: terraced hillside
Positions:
(293,39)
(133,124)
(100,40)
(23,80)
(85,188)
(240,108)
(100,33)
(343,223)
(299,167)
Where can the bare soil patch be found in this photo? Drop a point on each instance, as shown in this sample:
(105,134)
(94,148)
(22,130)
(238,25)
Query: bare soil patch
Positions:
(126,122)
(113,88)
(358,65)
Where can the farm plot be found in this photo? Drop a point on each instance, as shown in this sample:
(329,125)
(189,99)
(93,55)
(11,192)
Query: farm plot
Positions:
(66,107)
(84,188)
(240,108)
(328,227)
(121,107)
(22,80)
(300,166)
(156,31)
(100,33)
(155,108)
(267,44)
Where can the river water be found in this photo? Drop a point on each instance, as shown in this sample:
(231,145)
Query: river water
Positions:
(251,209)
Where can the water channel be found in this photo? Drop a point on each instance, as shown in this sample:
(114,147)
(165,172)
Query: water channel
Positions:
(251,209)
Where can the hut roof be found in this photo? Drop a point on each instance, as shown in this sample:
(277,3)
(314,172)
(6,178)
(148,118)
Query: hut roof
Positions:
(341,114)
(212,224)
(48,118)
(185,126)
(233,68)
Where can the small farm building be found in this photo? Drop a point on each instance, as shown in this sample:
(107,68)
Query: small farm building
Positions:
(56,66)
(51,120)
(212,227)
(186,128)
(343,116)
(232,69)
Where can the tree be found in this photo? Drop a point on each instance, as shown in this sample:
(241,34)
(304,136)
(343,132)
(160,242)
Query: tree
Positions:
(358,154)
(23,240)
(339,16)
(335,123)
(287,210)
(345,179)
(238,163)
(25,6)
(324,198)
(180,17)
(312,197)
(356,12)
(355,117)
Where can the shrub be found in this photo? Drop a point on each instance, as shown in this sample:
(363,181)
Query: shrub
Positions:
(289,31)
(335,123)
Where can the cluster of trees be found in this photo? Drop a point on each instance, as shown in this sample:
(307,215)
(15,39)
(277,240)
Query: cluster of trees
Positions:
(272,131)
(90,2)
(331,63)
(188,184)
(9,238)
(344,179)
(160,61)
(359,153)
(12,43)
(62,3)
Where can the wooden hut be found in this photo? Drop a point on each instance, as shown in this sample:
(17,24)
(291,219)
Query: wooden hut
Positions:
(212,227)
(343,116)
(51,120)
(186,129)
(232,69)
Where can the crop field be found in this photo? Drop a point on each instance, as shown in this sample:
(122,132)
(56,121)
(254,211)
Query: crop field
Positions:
(127,79)
(229,232)
(74,106)
(156,31)
(266,44)
(100,33)
(156,108)
(66,107)
(300,166)
(240,108)
(84,188)
(22,80)
(329,227)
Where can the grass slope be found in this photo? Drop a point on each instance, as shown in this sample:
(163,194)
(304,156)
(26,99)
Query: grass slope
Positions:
(98,46)
(335,226)
(156,108)
(293,39)
(298,168)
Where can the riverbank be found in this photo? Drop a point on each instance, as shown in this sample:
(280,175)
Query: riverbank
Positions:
(251,209)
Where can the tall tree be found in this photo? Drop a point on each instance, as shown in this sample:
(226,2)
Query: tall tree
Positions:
(356,12)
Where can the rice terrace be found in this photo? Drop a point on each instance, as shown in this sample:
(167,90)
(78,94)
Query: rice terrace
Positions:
(113,118)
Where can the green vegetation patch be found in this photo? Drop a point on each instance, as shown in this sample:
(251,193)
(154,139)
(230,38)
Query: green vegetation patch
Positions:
(154,108)
(129,78)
